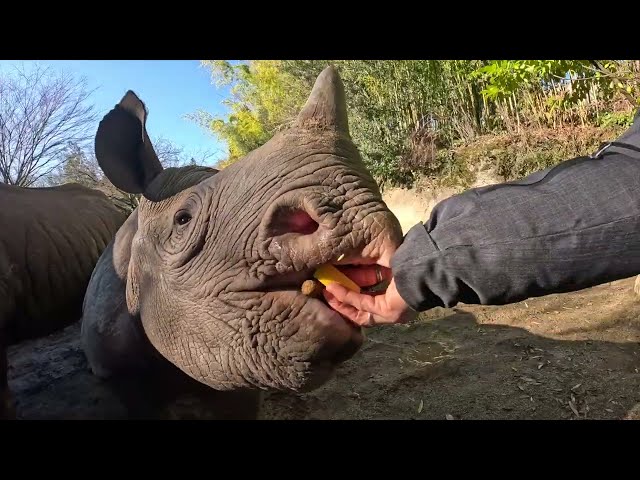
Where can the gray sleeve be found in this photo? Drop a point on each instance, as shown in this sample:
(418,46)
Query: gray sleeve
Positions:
(562,229)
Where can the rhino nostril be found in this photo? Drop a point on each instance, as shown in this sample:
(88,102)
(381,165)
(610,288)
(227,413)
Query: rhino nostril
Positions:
(292,220)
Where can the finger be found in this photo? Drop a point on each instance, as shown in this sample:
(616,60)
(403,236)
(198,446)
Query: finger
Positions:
(366,320)
(347,311)
(365,275)
(359,317)
(357,300)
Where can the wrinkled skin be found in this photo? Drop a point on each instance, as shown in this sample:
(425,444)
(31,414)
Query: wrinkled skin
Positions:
(205,275)
(50,241)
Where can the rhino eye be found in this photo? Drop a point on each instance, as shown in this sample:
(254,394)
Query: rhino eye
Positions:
(182,218)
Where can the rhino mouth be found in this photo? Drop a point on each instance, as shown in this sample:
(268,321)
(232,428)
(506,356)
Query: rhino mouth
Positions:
(355,267)
(363,268)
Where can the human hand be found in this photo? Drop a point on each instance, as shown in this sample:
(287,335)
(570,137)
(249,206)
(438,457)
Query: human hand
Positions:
(369,309)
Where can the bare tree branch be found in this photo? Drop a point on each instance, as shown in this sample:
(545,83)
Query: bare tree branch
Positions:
(42,113)
(80,166)
(169,154)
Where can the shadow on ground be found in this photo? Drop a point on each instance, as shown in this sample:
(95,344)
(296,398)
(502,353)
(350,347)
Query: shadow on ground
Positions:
(456,368)
(449,364)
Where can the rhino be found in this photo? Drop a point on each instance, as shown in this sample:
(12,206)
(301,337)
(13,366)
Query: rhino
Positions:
(202,282)
(50,241)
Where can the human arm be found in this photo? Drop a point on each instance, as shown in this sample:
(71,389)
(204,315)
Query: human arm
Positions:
(563,229)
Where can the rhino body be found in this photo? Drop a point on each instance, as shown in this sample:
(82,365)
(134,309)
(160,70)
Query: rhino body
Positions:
(50,241)
(201,285)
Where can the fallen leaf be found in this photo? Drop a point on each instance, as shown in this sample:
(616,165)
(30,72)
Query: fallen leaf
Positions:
(576,387)
(421,406)
(573,408)
(521,387)
(448,416)
(540,365)
(528,379)
(514,369)
(525,304)
(609,410)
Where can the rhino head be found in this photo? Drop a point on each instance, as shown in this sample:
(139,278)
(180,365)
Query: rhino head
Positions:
(218,257)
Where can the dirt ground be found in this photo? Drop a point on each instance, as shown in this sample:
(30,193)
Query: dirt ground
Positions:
(568,356)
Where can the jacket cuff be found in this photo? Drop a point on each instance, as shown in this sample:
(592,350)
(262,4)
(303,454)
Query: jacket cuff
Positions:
(409,269)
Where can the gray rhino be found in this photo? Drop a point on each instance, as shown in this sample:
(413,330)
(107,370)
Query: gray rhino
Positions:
(50,241)
(203,279)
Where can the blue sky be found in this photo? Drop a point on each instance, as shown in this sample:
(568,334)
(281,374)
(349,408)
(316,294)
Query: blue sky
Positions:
(170,89)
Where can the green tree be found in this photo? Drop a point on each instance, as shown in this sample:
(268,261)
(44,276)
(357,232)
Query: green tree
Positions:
(409,117)
(263,99)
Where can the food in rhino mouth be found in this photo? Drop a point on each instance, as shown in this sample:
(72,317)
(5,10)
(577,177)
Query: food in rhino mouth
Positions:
(328,273)
(311,288)
(324,275)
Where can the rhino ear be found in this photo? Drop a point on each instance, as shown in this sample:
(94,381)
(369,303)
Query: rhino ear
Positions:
(326,107)
(123,149)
